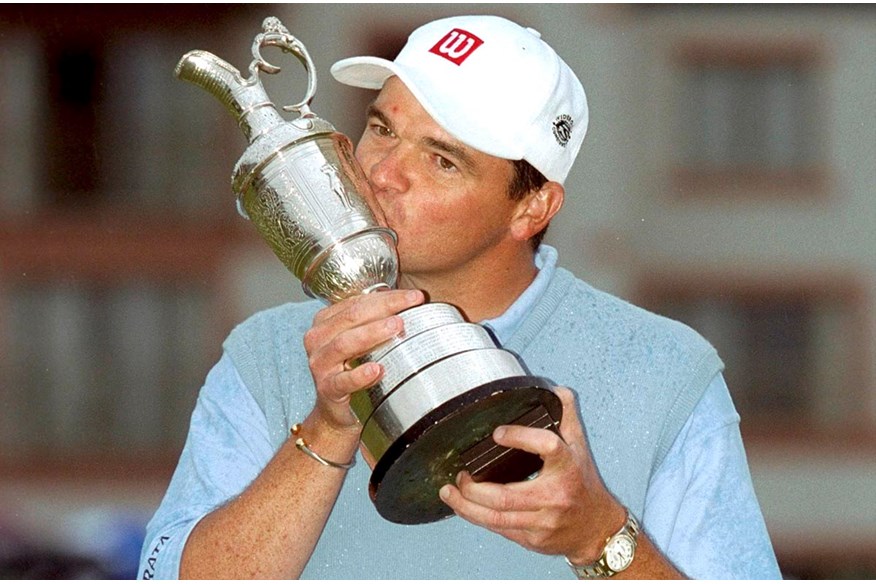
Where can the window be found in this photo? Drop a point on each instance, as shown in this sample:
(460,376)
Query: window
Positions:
(794,350)
(116,215)
(102,369)
(748,114)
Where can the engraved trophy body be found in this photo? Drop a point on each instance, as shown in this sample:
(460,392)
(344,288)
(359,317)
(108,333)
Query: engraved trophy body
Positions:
(447,384)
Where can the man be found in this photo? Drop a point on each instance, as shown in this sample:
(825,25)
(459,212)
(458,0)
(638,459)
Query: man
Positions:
(660,463)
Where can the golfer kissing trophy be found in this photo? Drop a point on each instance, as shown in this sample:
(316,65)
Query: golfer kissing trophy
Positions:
(446,383)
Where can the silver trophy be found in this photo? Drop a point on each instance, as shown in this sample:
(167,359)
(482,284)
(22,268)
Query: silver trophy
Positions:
(447,384)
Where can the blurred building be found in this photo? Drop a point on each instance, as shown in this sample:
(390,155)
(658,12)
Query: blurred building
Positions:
(728,180)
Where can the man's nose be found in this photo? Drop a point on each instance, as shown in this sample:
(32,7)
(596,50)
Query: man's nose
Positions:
(389,171)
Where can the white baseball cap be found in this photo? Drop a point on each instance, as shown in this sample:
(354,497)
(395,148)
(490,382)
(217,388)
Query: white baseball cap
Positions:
(492,84)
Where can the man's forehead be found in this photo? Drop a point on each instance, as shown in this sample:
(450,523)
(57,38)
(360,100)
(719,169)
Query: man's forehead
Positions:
(395,91)
(394,94)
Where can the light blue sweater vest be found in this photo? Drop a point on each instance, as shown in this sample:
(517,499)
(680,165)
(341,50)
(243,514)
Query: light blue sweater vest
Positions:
(637,376)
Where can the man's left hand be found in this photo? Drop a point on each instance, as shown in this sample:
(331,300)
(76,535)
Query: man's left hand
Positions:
(565,510)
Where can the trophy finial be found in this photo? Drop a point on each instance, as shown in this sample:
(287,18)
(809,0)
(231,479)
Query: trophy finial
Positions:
(272,24)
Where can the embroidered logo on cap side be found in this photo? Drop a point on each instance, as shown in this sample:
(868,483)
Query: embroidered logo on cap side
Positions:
(563,129)
(456,46)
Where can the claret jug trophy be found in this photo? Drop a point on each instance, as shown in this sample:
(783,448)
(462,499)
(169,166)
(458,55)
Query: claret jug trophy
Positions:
(447,384)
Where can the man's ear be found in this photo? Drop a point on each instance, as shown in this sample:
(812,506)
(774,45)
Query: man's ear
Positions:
(536,210)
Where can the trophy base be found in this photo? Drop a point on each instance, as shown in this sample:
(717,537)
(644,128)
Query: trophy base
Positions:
(456,436)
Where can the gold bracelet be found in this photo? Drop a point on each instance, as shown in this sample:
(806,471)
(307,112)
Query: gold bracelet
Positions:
(303,447)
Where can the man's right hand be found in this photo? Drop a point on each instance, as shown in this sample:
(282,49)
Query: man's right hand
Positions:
(345,331)
(271,529)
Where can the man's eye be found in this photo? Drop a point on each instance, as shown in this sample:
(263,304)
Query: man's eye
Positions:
(445,164)
(382,130)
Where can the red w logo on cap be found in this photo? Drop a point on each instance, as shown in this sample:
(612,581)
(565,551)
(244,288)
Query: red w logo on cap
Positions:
(456,46)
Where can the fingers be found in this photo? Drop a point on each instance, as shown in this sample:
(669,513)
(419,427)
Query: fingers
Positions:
(330,356)
(345,331)
(470,508)
(354,326)
(500,497)
(549,513)
(377,312)
(367,307)
(542,442)
(516,505)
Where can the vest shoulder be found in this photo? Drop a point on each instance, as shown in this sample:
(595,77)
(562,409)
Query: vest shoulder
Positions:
(636,373)
(620,318)
(277,327)
(269,356)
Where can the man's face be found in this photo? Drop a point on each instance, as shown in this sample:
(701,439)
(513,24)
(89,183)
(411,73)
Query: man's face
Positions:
(447,202)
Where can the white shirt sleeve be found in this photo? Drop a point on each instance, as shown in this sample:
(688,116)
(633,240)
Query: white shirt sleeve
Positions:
(701,509)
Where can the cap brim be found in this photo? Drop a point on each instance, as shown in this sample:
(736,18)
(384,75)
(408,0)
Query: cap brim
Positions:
(366,72)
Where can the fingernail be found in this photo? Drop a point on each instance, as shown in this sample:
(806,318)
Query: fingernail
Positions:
(499,433)
(393,324)
(413,295)
(444,493)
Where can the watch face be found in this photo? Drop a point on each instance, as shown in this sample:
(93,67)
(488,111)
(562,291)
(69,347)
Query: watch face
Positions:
(619,552)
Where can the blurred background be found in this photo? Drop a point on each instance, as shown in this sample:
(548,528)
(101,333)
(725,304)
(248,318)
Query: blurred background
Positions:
(728,180)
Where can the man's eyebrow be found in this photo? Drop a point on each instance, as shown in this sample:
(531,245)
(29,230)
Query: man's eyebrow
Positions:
(375,112)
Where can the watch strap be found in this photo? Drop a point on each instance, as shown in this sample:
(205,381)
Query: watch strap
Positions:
(599,568)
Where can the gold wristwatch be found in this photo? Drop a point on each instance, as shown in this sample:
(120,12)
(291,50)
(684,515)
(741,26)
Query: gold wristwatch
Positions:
(617,555)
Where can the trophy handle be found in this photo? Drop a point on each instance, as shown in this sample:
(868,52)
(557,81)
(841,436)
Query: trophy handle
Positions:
(246,98)
(276,35)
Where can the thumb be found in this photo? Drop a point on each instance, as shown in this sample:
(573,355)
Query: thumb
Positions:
(571,428)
